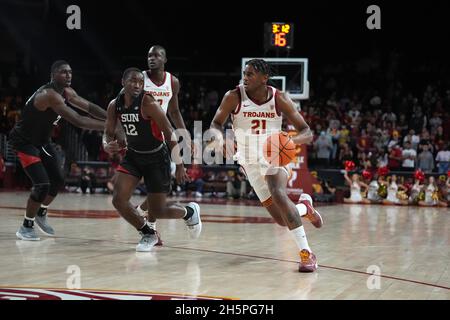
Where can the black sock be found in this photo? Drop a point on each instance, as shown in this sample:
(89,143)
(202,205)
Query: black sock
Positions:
(42,212)
(189,213)
(147,230)
(28,223)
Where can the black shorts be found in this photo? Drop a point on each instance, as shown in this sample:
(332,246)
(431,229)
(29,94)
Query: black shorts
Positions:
(154,167)
(41,163)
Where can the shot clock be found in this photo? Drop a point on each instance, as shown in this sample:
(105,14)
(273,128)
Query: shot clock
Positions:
(278,35)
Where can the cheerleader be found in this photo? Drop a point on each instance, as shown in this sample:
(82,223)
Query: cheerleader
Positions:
(355,189)
(416,189)
(392,192)
(372,193)
(431,195)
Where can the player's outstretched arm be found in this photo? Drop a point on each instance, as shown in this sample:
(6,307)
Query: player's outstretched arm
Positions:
(79,102)
(56,102)
(287,107)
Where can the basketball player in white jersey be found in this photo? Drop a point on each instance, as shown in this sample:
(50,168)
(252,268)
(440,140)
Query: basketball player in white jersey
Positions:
(256,110)
(164,87)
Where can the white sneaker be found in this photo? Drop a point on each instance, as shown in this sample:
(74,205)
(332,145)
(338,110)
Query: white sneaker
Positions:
(147,242)
(198,195)
(194,223)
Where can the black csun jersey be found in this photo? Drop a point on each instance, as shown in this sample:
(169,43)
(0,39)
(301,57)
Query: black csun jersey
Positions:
(143,135)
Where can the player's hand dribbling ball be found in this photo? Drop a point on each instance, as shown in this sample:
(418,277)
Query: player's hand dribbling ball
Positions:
(279,149)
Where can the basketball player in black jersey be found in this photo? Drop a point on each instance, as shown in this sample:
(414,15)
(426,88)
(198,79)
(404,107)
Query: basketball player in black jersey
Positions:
(146,156)
(30,138)
(156,73)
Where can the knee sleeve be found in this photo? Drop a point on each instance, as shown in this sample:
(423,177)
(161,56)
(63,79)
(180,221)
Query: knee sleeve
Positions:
(55,186)
(40,191)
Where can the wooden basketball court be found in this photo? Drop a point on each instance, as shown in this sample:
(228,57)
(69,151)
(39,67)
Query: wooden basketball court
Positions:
(241,254)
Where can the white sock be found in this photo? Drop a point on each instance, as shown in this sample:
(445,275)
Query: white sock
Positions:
(300,238)
(26,218)
(141,212)
(152,225)
(43,206)
(301,208)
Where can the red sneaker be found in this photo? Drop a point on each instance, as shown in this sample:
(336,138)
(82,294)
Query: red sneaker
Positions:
(311,214)
(308,261)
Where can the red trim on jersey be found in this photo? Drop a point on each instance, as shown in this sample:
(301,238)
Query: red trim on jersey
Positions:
(260,104)
(156,131)
(277,93)
(238,108)
(122,169)
(171,83)
(158,85)
(27,160)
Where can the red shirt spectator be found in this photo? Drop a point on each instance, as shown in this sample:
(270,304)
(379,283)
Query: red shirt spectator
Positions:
(364,142)
(195,172)
(395,157)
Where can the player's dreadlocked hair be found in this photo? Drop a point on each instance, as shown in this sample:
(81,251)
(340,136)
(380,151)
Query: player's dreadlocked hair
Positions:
(128,71)
(260,66)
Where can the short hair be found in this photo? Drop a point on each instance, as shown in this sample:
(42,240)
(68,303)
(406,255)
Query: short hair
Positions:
(159,48)
(128,71)
(57,64)
(260,65)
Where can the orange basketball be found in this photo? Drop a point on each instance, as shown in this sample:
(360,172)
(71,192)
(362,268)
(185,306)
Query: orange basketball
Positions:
(279,149)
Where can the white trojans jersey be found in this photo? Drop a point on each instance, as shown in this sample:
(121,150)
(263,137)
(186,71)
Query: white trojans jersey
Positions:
(253,122)
(162,93)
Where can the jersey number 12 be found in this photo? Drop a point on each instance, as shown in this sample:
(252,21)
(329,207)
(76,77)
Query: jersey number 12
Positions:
(130,129)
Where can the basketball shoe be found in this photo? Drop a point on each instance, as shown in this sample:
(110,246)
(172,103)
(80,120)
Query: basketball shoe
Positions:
(311,214)
(144,214)
(148,241)
(308,261)
(194,223)
(28,234)
(42,222)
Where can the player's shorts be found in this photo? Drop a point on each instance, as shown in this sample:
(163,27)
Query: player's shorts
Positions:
(256,175)
(42,164)
(154,167)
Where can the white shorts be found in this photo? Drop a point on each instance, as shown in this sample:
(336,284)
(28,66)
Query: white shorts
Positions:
(256,175)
